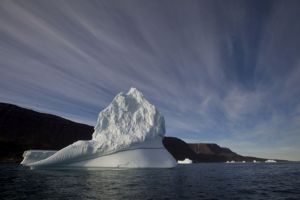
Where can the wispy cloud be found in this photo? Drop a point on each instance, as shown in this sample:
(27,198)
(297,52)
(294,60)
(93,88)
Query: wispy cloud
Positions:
(219,71)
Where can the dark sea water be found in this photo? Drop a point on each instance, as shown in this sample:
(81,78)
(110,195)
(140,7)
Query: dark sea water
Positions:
(195,181)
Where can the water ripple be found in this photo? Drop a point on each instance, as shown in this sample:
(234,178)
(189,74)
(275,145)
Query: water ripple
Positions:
(196,181)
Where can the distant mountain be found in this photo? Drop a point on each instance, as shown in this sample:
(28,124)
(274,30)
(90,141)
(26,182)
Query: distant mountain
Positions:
(202,152)
(23,129)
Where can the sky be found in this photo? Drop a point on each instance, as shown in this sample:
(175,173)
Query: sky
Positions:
(225,72)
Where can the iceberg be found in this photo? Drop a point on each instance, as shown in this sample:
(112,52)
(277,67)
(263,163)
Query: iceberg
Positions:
(270,161)
(185,161)
(128,134)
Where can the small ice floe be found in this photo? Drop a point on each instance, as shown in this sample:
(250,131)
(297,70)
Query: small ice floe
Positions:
(230,161)
(185,161)
(270,161)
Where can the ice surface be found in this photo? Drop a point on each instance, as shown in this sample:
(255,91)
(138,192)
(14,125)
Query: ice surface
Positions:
(130,122)
(129,158)
(36,155)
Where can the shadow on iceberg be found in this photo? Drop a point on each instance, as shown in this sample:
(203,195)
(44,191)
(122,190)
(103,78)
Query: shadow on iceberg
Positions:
(128,134)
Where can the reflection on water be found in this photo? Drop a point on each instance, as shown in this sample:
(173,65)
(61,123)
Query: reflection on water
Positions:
(196,181)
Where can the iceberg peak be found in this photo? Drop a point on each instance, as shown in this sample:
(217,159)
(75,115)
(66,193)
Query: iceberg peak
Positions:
(129,116)
(135,92)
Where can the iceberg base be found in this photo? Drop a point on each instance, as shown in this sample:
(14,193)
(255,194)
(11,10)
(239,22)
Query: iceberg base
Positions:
(132,158)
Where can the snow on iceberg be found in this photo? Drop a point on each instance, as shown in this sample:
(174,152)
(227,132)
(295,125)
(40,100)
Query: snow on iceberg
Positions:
(128,134)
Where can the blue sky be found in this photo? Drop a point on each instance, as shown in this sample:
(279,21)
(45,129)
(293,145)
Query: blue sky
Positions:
(226,72)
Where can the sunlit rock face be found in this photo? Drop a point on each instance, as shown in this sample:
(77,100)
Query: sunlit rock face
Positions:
(128,133)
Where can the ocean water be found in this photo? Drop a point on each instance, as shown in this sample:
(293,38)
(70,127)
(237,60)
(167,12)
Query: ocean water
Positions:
(195,181)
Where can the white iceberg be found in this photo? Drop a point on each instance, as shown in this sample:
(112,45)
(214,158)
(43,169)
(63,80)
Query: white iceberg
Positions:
(185,161)
(270,161)
(128,134)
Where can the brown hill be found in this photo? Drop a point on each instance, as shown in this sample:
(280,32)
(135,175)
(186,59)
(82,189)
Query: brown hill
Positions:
(203,152)
(22,129)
